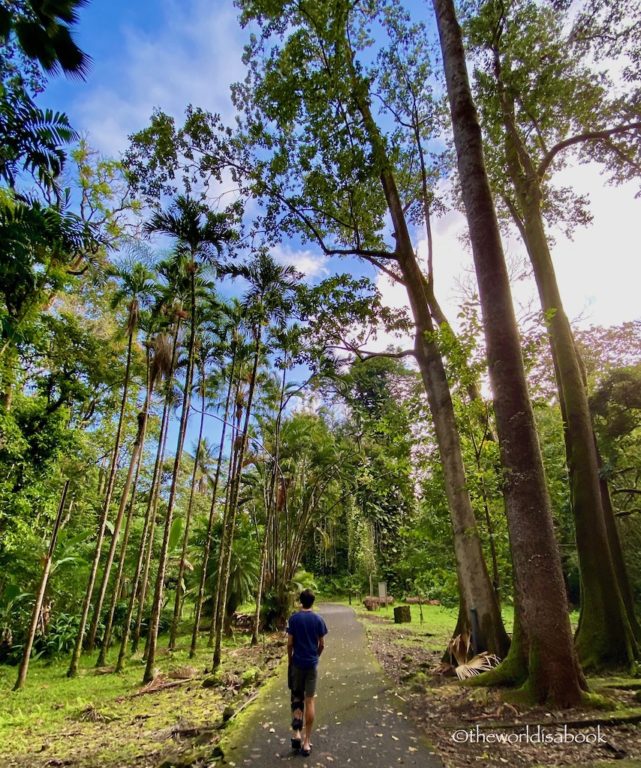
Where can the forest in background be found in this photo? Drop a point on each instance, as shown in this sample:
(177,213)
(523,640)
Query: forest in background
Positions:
(188,426)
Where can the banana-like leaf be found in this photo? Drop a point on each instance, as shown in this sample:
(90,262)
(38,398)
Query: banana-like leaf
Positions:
(174,534)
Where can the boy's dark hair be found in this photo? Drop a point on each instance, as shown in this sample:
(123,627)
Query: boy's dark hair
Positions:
(307,598)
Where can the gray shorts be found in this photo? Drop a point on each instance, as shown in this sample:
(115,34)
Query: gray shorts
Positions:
(303,681)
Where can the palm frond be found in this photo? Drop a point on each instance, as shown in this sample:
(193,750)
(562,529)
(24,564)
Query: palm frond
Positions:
(480,663)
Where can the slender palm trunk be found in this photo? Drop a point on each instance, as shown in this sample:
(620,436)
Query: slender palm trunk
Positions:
(178,603)
(138,453)
(44,579)
(143,566)
(478,592)
(231,473)
(147,541)
(75,658)
(147,536)
(553,673)
(225,553)
(152,639)
(133,464)
(210,523)
(271,513)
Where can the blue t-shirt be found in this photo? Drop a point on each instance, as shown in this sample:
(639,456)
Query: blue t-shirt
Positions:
(306,627)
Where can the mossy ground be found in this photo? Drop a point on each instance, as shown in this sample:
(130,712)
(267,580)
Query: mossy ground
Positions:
(96,719)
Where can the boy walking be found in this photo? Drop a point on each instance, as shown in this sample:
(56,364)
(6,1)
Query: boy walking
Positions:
(306,631)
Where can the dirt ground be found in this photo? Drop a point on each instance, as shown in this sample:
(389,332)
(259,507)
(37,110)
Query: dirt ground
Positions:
(468,726)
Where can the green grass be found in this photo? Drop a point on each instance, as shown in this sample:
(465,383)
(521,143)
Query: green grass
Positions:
(49,715)
(437,627)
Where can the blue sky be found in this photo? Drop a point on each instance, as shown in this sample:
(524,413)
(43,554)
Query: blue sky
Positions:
(149,54)
(168,54)
(164,54)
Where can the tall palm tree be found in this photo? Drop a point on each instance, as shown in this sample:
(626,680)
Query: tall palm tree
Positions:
(43,31)
(269,297)
(147,535)
(200,235)
(158,362)
(172,298)
(287,340)
(44,579)
(231,328)
(144,283)
(203,354)
(135,285)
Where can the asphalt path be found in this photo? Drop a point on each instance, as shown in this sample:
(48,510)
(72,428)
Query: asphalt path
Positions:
(359,718)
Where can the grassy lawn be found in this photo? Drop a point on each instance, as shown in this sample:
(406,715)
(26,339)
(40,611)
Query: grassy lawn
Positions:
(96,718)
(434,629)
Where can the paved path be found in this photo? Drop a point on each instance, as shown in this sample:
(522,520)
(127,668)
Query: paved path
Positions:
(359,720)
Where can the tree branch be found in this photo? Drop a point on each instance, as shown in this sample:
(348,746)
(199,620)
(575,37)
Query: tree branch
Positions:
(376,263)
(363,355)
(627,490)
(579,139)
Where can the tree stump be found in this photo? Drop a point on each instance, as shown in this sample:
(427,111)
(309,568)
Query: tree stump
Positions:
(402,614)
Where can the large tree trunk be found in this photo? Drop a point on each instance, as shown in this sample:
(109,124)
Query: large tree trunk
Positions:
(152,638)
(553,670)
(147,535)
(210,523)
(178,603)
(44,579)
(478,592)
(605,637)
(228,533)
(616,550)
(86,604)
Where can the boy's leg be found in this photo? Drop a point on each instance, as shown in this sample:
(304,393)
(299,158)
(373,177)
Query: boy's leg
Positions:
(297,712)
(297,701)
(310,712)
(310,706)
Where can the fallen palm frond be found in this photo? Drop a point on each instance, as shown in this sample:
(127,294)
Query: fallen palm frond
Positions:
(483,662)
(458,648)
(444,669)
(91,715)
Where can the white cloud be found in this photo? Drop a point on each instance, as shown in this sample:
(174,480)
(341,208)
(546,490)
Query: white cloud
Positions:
(192,57)
(310,264)
(598,272)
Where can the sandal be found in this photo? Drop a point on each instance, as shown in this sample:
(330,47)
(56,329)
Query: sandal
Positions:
(296,744)
(306,752)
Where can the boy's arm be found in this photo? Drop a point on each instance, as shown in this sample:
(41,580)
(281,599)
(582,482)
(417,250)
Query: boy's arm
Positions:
(290,648)
(321,645)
